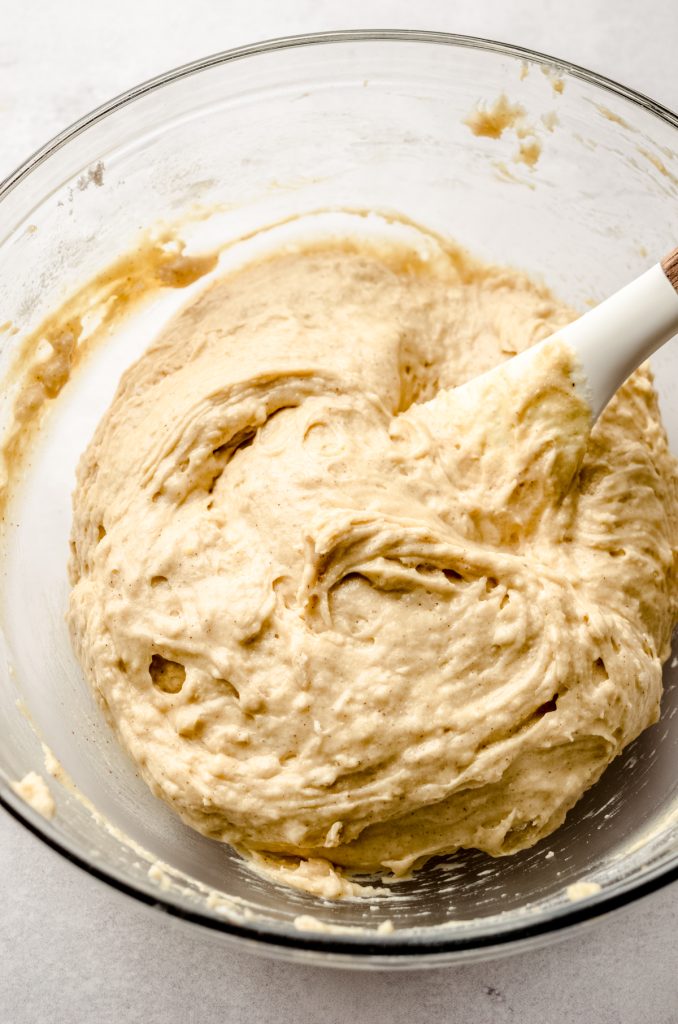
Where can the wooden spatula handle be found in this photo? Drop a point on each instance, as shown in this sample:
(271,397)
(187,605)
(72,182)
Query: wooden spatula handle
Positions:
(670,267)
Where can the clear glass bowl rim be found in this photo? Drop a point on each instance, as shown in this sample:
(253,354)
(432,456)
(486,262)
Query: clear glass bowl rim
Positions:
(433,944)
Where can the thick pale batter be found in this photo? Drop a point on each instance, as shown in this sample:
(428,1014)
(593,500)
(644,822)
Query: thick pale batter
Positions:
(337,610)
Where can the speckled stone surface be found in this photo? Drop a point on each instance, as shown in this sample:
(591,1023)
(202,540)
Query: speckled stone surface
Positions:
(71,950)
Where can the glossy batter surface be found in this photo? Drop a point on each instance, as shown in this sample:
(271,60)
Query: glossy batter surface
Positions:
(339,611)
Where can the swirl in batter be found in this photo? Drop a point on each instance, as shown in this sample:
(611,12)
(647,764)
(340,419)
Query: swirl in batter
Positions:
(342,614)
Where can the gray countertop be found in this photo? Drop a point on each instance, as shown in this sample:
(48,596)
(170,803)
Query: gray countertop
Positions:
(72,950)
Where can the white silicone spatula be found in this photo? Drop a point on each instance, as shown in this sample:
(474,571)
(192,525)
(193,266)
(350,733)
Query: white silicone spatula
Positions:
(613,339)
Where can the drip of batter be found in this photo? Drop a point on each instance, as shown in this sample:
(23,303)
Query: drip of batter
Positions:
(342,614)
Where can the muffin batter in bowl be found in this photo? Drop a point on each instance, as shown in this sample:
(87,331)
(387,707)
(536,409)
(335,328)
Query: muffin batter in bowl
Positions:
(342,614)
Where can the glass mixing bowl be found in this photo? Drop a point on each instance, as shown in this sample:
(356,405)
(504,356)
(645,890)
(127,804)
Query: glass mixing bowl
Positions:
(369,120)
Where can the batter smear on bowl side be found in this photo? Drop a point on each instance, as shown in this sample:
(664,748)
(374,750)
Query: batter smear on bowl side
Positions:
(342,617)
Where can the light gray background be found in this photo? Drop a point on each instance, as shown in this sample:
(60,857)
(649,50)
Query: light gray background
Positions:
(70,949)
